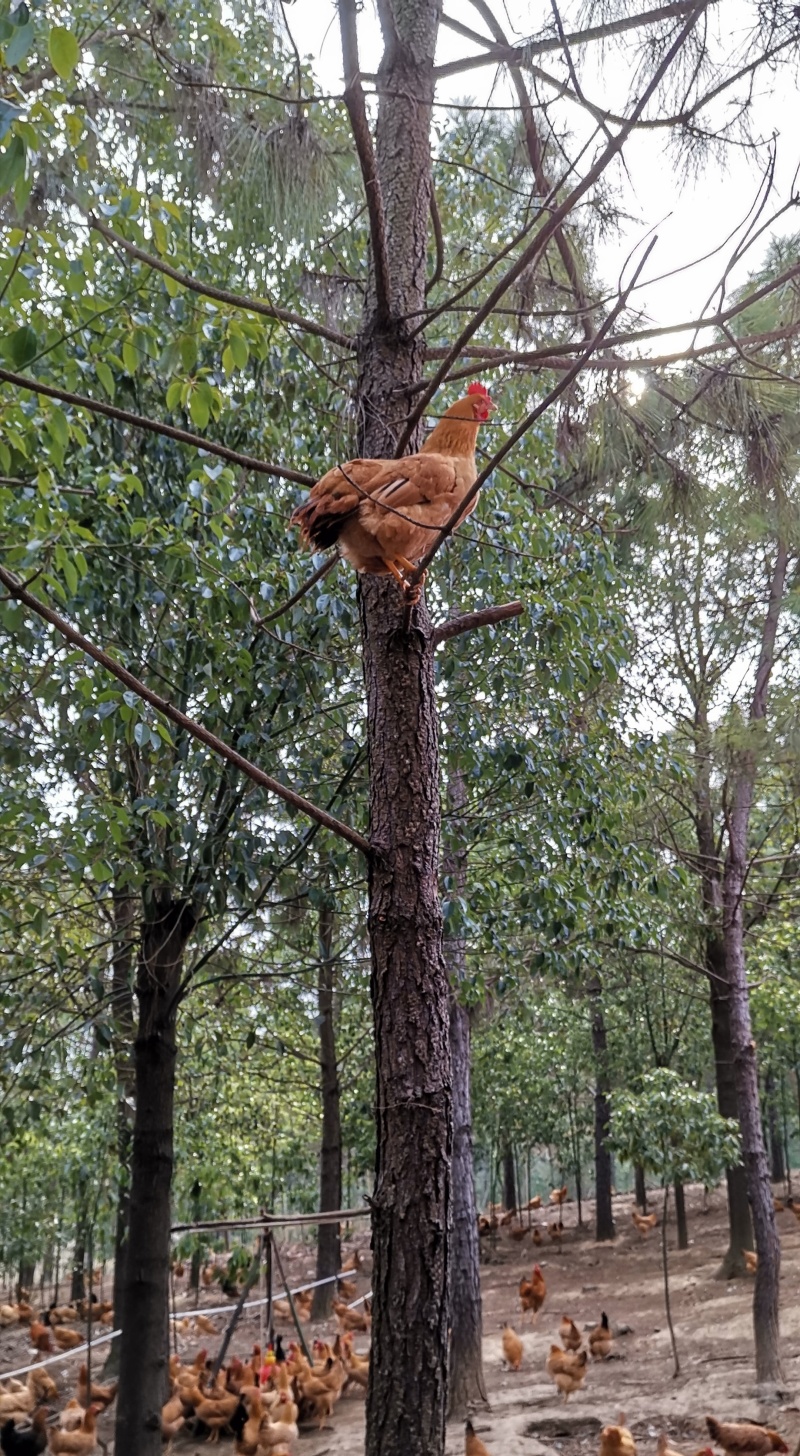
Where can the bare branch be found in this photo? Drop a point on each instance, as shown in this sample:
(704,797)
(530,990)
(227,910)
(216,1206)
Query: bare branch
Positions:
(155,427)
(543,183)
(470,621)
(436,224)
(362,136)
(548,228)
(310,581)
(16,589)
(222,295)
(519,55)
(522,429)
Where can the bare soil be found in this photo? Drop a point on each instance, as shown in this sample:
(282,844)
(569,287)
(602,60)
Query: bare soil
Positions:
(526,1415)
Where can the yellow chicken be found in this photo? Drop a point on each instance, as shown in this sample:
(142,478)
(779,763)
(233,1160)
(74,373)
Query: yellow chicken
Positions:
(567,1371)
(513,1348)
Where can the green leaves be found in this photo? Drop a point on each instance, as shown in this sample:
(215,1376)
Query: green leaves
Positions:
(674,1130)
(12,164)
(63,50)
(21,347)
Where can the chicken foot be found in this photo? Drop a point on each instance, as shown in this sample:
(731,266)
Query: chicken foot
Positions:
(411,593)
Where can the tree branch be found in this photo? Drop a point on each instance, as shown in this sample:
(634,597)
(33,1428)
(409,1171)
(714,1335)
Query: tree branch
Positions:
(530,419)
(543,183)
(470,621)
(436,224)
(223,295)
(321,571)
(16,589)
(362,136)
(548,228)
(155,427)
(519,55)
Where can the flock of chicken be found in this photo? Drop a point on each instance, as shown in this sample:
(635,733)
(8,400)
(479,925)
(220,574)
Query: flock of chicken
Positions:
(497,1217)
(567,1363)
(257,1401)
(737,1438)
(24,1415)
(261,1400)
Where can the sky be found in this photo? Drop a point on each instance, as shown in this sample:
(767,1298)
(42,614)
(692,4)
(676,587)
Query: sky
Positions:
(692,215)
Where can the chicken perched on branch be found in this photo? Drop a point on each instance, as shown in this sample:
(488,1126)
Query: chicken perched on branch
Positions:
(384,514)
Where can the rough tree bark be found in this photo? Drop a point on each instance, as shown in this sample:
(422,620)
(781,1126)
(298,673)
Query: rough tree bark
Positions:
(166,927)
(740,1227)
(766,1301)
(124,915)
(407,1395)
(604,1228)
(467,1384)
(777,1165)
(330,1164)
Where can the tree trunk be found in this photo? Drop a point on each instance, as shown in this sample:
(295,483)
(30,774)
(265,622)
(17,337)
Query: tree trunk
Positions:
(330,1163)
(604,1229)
(740,1229)
(740,1226)
(27,1272)
(407,1395)
(467,1384)
(406,1400)
(77,1289)
(124,912)
(775,1138)
(680,1215)
(144,1344)
(640,1187)
(766,1301)
(509,1178)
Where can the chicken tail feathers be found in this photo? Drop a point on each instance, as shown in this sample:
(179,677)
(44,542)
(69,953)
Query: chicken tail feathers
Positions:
(713,1428)
(321,521)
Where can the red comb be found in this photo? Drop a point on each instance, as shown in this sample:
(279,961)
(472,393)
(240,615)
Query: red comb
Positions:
(477,388)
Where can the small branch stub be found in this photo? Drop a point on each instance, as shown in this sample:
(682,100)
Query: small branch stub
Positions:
(470,621)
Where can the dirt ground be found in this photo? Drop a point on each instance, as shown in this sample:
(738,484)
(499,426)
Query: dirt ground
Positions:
(526,1416)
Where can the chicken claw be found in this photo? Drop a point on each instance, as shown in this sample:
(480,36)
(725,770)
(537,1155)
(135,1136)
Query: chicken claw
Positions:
(413,593)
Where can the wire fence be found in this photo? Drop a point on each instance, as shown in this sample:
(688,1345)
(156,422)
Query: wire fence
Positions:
(62,1355)
(181,1315)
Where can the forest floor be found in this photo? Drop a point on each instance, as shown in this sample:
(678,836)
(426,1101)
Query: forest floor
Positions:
(526,1416)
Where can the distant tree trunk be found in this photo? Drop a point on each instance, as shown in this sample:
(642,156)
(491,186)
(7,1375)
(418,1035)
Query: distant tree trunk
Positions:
(77,1289)
(165,930)
(766,1301)
(27,1271)
(194,1269)
(680,1215)
(124,913)
(330,1164)
(509,1177)
(740,1226)
(467,1384)
(778,1168)
(411,1208)
(602,1118)
(640,1187)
